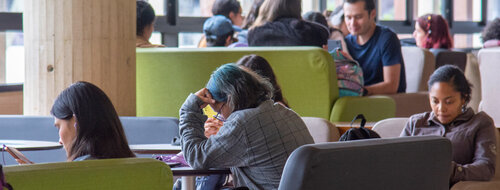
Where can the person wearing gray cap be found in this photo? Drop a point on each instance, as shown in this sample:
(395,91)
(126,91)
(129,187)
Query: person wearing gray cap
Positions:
(218,31)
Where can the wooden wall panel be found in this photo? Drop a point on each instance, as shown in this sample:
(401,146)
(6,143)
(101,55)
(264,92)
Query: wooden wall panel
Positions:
(12,103)
(72,40)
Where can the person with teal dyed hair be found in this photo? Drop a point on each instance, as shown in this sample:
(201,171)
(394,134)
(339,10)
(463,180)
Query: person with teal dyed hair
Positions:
(250,142)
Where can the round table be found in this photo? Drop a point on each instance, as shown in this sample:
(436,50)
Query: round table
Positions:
(155,148)
(25,145)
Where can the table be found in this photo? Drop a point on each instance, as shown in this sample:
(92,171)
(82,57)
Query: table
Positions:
(26,145)
(155,148)
(188,175)
(344,126)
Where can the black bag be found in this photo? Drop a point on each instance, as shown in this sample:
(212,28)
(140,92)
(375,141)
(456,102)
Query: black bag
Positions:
(3,184)
(359,133)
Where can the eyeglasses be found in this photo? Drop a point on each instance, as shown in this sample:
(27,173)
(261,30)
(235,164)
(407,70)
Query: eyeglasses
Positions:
(218,116)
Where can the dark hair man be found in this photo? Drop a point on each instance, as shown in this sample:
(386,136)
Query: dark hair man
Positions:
(231,9)
(375,47)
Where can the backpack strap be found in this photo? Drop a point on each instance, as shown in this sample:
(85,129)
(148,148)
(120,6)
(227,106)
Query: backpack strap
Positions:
(363,120)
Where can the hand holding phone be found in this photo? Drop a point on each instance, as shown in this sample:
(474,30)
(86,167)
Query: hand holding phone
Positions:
(20,158)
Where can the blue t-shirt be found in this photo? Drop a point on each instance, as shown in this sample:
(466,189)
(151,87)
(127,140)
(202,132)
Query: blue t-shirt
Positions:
(382,49)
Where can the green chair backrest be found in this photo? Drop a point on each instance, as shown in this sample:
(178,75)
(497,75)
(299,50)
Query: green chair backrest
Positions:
(124,173)
(166,76)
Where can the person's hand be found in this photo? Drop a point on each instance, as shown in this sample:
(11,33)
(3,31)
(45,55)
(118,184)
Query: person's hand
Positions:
(205,96)
(212,126)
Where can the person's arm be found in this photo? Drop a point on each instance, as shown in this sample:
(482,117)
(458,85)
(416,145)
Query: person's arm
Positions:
(392,61)
(225,149)
(390,84)
(483,166)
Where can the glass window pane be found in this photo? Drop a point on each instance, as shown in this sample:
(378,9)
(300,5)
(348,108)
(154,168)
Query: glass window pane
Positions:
(467,40)
(14,57)
(467,10)
(155,38)
(158,6)
(11,5)
(493,9)
(392,10)
(189,40)
(423,7)
(203,8)
(332,4)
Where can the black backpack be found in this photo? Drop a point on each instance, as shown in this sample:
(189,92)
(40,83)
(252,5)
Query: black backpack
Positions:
(359,133)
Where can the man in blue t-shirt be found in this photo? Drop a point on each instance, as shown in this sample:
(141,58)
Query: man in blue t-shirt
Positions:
(376,48)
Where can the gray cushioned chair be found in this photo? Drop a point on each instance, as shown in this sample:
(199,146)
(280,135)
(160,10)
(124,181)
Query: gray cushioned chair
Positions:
(410,163)
(448,57)
(321,129)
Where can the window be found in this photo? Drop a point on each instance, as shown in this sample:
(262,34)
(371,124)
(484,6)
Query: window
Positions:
(391,10)
(493,9)
(14,57)
(332,4)
(12,46)
(155,38)
(158,6)
(189,40)
(467,10)
(423,7)
(467,40)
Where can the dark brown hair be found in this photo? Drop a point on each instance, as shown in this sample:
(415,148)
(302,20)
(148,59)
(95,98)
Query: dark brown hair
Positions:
(99,132)
(260,66)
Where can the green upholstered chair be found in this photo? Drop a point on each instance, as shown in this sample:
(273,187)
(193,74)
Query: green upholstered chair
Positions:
(307,76)
(124,173)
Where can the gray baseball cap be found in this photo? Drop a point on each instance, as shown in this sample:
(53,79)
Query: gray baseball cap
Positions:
(217,25)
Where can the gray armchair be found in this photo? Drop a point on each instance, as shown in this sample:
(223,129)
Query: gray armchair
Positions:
(410,163)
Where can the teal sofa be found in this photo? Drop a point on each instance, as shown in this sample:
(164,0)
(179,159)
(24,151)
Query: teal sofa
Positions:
(124,173)
(307,75)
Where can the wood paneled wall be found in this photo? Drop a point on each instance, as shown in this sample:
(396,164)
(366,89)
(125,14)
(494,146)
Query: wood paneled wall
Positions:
(72,40)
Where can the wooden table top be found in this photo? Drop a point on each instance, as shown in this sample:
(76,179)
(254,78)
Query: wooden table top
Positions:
(344,126)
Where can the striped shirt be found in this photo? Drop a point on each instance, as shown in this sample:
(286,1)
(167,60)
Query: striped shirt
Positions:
(255,143)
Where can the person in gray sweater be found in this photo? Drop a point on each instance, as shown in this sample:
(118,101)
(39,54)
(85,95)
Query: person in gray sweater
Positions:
(257,136)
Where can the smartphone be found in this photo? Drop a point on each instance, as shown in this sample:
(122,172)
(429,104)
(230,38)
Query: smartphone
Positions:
(334,44)
(20,158)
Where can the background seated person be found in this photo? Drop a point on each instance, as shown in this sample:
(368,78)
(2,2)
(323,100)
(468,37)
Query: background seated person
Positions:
(145,25)
(218,31)
(376,48)
(431,31)
(257,137)
(249,20)
(472,135)
(280,24)
(231,9)
(335,34)
(491,34)
(89,127)
(337,21)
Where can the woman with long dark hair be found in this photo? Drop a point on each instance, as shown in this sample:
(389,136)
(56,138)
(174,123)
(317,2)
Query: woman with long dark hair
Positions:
(89,127)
